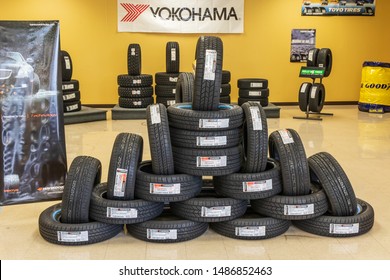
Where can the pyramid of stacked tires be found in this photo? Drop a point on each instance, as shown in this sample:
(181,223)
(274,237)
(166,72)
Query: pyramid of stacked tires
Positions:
(253,89)
(70,87)
(260,184)
(135,89)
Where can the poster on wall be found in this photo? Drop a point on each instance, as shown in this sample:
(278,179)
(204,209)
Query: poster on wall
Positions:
(176,16)
(302,40)
(32,147)
(338,8)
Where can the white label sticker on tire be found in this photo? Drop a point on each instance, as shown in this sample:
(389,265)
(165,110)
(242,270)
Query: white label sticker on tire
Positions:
(67,62)
(286,136)
(136,92)
(173,79)
(250,231)
(132,51)
(122,213)
(137,81)
(68,87)
(158,188)
(213,123)
(257,186)
(344,228)
(313,92)
(255,93)
(310,56)
(305,209)
(155,116)
(72,236)
(211,161)
(211,141)
(210,65)
(161,234)
(216,211)
(173,54)
(256,85)
(174,90)
(171,102)
(303,87)
(120,182)
(256,118)
(69,96)
(137,103)
(72,107)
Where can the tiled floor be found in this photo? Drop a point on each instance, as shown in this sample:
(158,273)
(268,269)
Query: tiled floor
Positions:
(359,141)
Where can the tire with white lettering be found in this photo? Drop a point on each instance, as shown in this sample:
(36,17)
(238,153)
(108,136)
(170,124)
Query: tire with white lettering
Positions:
(167,79)
(159,140)
(184,87)
(143,80)
(84,173)
(303,96)
(226,89)
(72,85)
(224,99)
(72,106)
(316,98)
(66,66)
(228,116)
(134,59)
(125,157)
(208,74)
(172,57)
(254,93)
(226,76)
(166,101)
(252,83)
(121,212)
(202,162)
(341,226)
(255,138)
(251,185)
(165,188)
(262,100)
(71,96)
(166,91)
(312,57)
(135,102)
(135,92)
(251,226)
(328,173)
(325,59)
(209,207)
(286,146)
(298,207)
(167,228)
(54,230)
(205,139)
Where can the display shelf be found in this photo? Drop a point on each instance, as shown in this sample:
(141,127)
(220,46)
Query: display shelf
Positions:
(119,113)
(86,114)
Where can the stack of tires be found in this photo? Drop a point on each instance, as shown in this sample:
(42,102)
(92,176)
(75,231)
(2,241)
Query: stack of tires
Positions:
(166,81)
(253,89)
(70,87)
(135,89)
(311,96)
(226,87)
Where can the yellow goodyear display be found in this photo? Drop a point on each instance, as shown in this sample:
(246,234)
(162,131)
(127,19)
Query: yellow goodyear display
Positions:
(375,87)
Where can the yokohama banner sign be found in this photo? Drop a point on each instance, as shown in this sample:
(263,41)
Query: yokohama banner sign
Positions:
(179,16)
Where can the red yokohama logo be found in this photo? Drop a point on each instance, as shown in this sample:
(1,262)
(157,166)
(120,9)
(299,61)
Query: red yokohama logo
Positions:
(133,11)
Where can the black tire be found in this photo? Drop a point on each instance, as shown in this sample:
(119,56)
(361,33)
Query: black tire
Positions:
(84,173)
(135,92)
(286,146)
(251,226)
(210,207)
(134,60)
(252,83)
(341,226)
(226,76)
(167,228)
(166,91)
(53,230)
(312,57)
(159,140)
(125,157)
(255,138)
(184,87)
(166,101)
(143,80)
(72,106)
(66,66)
(135,102)
(253,93)
(303,96)
(72,85)
(166,79)
(121,212)
(71,96)
(299,207)
(208,78)
(226,89)
(224,99)
(165,188)
(205,139)
(325,59)
(251,185)
(172,57)
(328,173)
(216,162)
(183,117)
(263,101)
(317,98)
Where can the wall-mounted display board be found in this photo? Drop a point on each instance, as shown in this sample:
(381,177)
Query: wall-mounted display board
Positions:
(338,8)
(302,40)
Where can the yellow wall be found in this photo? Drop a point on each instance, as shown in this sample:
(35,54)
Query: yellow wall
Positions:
(99,52)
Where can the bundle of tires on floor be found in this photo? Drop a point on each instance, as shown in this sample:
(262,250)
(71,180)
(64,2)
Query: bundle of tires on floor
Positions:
(70,87)
(135,89)
(253,89)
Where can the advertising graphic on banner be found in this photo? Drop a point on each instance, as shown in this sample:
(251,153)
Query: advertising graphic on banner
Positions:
(302,40)
(339,8)
(176,16)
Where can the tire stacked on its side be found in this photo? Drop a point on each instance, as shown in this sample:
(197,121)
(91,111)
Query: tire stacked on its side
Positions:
(253,89)
(226,87)
(166,81)
(135,89)
(70,87)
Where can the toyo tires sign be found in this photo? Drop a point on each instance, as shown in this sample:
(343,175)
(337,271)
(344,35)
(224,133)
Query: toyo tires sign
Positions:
(175,16)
